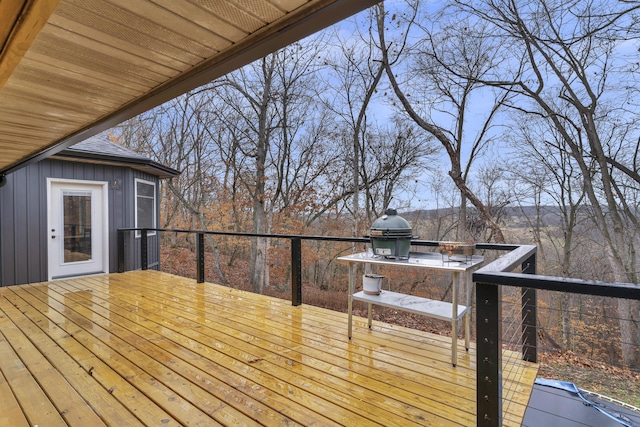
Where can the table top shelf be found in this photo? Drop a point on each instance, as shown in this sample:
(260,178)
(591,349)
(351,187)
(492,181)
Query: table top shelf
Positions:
(432,260)
(419,305)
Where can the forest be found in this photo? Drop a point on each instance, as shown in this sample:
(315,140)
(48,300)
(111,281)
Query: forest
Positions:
(485,121)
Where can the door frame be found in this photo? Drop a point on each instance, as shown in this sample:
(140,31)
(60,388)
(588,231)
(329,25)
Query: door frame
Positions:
(105,218)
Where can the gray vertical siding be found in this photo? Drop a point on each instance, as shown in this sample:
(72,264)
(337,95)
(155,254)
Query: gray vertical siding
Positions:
(23,216)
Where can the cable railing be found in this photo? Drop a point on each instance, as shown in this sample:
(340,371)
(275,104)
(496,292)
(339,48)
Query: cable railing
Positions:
(491,280)
(295,245)
(579,342)
(514,362)
(295,241)
(506,329)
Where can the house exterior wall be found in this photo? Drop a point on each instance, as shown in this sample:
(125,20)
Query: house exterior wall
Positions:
(23,217)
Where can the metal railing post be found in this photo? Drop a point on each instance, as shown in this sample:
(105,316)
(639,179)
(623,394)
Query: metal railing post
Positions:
(121,266)
(489,356)
(296,271)
(529,315)
(200,258)
(144,256)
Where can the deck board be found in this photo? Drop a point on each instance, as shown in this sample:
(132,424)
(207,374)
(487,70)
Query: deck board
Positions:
(149,348)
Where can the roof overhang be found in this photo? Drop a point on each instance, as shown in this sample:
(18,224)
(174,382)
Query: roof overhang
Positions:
(145,165)
(70,69)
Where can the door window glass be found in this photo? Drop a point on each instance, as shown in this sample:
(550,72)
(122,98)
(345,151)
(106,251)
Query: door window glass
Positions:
(76,206)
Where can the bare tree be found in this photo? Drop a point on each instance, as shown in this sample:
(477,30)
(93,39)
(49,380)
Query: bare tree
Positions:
(572,74)
(442,102)
(354,82)
(393,158)
(545,172)
(491,189)
(249,92)
(274,140)
(173,134)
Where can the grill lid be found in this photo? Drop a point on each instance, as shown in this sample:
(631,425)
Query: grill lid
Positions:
(390,225)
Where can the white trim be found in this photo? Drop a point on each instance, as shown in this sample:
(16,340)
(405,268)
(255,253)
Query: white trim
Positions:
(105,216)
(135,205)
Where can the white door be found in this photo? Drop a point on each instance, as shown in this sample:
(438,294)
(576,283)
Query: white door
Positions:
(77,228)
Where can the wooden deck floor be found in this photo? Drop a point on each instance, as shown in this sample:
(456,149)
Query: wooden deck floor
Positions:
(148,348)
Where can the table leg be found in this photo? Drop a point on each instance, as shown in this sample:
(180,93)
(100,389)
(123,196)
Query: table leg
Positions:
(350,297)
(370,313)
(454,319)
(467,316)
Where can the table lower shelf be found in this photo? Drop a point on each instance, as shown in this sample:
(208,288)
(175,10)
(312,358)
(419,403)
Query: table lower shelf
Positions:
(427,307)
(424,306)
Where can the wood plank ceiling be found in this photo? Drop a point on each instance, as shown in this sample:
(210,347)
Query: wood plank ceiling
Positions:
(72,68)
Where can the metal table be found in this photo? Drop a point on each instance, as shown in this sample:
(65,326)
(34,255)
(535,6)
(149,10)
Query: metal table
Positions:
(460,266)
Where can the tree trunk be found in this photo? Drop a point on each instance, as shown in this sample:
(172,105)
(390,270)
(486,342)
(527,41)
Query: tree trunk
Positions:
(258,254)
(565,313)
(628,312)
(462,229)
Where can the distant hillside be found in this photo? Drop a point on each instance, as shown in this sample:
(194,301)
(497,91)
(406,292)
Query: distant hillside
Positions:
(514,216)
